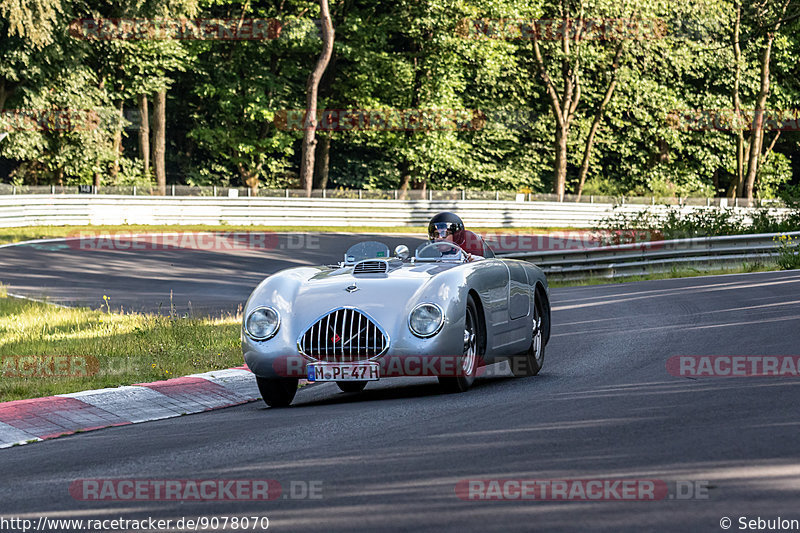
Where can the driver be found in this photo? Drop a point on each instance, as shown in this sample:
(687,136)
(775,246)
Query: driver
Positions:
(448,227)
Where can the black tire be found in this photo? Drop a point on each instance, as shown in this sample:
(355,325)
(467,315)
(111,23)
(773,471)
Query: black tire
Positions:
(351,386)
(470,359)
(277,392)
(530,363)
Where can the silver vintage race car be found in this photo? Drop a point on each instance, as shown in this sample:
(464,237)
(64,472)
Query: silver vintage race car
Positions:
(373,315)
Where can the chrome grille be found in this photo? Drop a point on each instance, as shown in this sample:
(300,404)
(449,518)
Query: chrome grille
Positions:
(371,267)
(343,335)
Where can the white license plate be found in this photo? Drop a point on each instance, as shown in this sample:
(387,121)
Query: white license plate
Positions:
(343,372)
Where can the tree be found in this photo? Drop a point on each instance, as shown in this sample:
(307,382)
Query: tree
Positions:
(757,135)
(737,187)
(631,130)
(227,124)
(32,20)
(310,123)
(563,104)
(598,116)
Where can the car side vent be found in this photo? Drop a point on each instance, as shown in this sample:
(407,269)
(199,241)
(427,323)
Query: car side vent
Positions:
(371,267)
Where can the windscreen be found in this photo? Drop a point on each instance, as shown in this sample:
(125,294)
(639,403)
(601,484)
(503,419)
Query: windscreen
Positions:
(366,250)
(438,251)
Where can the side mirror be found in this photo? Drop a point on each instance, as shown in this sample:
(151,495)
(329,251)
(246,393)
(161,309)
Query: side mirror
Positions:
(401,252)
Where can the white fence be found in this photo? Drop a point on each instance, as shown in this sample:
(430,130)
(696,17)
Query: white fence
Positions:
(79,209)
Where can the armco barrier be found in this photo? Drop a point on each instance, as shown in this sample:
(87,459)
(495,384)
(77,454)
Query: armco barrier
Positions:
(704,253)
(77,209)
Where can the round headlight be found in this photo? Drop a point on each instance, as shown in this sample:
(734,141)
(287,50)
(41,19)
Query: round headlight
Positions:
(262,323)
(425,320)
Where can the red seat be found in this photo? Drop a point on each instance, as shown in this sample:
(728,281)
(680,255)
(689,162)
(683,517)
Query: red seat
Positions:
(475,245)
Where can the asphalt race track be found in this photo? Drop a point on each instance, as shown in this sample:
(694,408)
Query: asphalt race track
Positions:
(201,280)
(604,407)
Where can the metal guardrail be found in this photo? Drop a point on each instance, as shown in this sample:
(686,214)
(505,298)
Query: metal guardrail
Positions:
(383,194)
(637,259)
(86,209)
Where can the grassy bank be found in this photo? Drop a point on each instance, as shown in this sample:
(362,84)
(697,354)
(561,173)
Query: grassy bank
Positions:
(123,348)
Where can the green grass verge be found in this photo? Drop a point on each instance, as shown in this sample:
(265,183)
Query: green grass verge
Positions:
(127,348)
(674,273)
(10,235)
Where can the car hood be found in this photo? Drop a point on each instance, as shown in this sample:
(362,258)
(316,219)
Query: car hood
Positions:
(367,290)
(306,293)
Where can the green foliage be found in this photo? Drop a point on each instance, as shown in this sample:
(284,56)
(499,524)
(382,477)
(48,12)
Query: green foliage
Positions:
(672,222)
(224,96)
(788,252)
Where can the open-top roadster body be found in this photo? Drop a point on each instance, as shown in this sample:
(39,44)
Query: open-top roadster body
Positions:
(441,313)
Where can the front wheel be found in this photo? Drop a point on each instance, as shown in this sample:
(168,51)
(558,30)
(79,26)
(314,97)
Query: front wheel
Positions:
(351,386)
(468,361)
(277,392)
(530,363)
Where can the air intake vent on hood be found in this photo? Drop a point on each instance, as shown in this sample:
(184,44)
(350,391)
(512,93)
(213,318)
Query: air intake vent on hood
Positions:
(371,267)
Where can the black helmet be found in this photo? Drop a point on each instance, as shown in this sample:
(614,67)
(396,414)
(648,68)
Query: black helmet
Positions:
(445,224)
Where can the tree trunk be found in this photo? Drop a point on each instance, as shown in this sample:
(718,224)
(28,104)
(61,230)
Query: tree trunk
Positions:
(409,181)
(738,185)
(560,167)
(7,90)
(322,153)
(144,132)
(249,178)
(757,135)
(312,86)
(562,106)
(322,162)
(405,165)
(5,93)
(159,140)
(117,143)
(405,180)
(738,189)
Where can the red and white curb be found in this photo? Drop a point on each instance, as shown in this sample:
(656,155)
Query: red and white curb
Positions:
(25,421)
